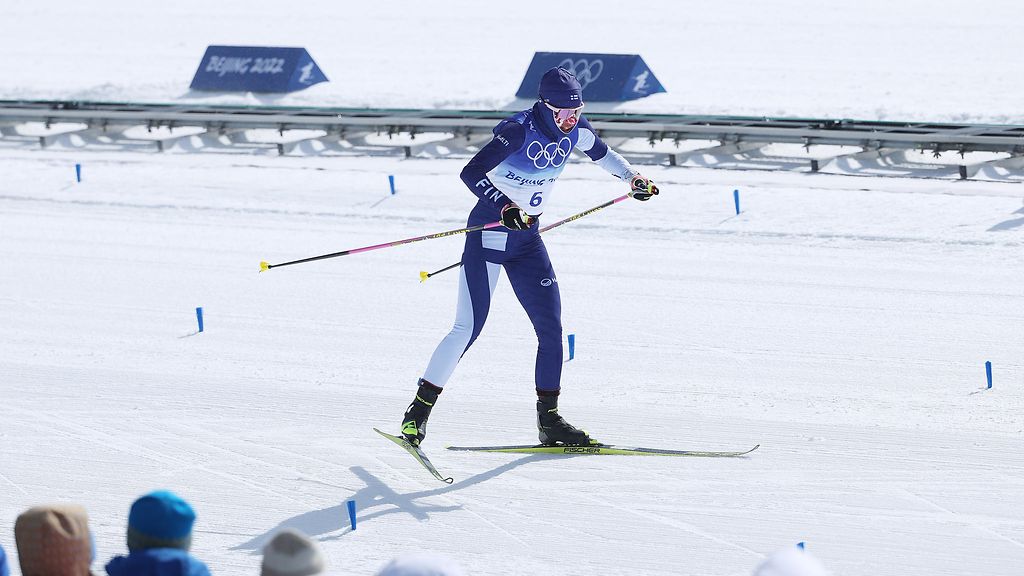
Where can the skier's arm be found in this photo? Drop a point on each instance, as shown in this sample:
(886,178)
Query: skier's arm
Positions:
(591,144)
(507,139)
(612,162)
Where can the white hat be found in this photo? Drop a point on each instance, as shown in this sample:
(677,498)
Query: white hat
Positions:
(291,553)
(791,562)
(421,564)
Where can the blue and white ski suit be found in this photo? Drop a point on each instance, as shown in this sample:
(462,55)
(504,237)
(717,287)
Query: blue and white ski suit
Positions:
(520,164)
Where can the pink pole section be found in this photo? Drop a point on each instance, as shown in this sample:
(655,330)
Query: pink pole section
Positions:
(266,266)
(424,275)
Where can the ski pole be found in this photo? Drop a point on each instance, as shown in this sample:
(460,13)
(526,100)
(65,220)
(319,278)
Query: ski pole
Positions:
(264,266)
(424,275)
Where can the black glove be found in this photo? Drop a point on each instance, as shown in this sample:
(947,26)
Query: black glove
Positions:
(515,218)
(643,188)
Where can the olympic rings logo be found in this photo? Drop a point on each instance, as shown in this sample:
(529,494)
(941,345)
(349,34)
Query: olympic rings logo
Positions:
(554,154)
(586,71)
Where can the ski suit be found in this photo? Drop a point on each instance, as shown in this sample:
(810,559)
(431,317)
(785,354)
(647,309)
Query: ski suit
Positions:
(520,164)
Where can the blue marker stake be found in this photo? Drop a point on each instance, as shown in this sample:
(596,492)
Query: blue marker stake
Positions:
(78,172)
(988,372)
(800,545)
(352,513)
(391,181)
(572,346)
(199,317)
(736,198)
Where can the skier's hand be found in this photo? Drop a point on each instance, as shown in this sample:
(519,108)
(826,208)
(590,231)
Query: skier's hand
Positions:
(515,218)
(643,188)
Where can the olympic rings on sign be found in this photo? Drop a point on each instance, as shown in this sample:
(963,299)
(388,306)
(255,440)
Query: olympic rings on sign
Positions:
(586,71)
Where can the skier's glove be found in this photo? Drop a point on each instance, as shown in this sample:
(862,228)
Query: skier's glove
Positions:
(515,218)
(643,188)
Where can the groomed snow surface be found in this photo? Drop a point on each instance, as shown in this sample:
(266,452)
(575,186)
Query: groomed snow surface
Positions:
(841,322)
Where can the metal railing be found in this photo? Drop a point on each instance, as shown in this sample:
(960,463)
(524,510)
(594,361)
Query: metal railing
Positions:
(875,144)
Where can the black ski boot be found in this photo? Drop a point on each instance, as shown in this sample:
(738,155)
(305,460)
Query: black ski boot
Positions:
(553,429)
(414,423)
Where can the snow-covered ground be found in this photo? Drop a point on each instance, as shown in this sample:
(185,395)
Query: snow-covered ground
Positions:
(873,59)
(842,323)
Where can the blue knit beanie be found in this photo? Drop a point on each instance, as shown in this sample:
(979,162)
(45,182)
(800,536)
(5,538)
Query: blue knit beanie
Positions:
(560,88)
(4,570)
(160,519)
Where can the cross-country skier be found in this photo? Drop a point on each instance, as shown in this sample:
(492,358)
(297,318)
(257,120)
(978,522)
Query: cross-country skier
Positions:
(513,176)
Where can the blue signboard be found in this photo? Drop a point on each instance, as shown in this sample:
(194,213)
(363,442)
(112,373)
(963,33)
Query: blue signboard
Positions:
(256,69)
(604,77)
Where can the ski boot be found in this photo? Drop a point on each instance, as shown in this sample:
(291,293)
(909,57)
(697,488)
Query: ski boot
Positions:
(553,429)
(414,423)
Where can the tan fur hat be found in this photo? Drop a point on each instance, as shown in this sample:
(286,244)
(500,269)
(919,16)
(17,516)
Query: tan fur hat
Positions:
(54,541)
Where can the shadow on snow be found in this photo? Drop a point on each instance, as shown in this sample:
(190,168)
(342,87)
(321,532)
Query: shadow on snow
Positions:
(378,499)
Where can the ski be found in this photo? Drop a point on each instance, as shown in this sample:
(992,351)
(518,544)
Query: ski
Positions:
(417,453)
(600,449)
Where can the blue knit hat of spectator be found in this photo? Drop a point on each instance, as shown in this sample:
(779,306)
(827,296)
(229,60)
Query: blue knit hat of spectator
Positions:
(560,88)
(160,519)
(4,570)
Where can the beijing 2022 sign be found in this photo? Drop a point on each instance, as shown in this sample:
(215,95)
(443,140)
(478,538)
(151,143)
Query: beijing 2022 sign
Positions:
(256,69)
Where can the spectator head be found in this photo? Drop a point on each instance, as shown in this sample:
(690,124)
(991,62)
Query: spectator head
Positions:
(53,541)
(791,562)
(291,553)
(421,564)
(4,570)
(160,519)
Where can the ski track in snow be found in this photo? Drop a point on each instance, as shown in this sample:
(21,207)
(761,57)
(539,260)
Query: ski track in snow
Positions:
(842,323)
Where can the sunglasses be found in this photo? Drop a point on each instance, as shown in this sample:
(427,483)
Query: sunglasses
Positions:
(562,115)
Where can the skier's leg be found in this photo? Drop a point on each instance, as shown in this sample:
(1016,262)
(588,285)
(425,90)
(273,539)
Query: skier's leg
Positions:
(534,282)
(477,279)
